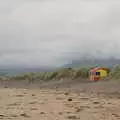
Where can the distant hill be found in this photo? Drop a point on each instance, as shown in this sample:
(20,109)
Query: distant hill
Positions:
(74,64)
(91,63)
(17,71)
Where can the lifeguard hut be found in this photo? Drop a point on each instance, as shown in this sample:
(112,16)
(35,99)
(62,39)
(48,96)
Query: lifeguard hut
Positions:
(98,73)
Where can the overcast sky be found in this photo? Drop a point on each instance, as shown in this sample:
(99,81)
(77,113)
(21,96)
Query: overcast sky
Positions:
(53,32)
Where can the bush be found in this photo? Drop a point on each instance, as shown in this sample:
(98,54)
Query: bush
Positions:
(82,73)
(115,73)
(66,73)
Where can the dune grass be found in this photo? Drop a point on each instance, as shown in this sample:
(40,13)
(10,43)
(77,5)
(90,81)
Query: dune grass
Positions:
(115,73)
(66,73)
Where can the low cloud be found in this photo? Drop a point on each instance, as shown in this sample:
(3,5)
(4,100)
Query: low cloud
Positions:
(53,32)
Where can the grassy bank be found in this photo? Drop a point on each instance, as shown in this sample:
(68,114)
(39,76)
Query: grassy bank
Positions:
(66,73)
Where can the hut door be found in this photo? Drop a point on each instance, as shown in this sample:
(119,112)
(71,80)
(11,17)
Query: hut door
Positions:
(97,73)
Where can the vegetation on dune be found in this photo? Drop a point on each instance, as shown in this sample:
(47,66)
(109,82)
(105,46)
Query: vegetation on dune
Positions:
(115,73)
(65,73)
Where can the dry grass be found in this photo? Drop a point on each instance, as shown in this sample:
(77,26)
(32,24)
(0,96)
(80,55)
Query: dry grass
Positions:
(58,74)
(66,73)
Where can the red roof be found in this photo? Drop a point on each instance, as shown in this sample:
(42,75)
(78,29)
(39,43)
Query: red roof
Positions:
(95,69)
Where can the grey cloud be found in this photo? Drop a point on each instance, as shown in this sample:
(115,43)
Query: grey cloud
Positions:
(54,32)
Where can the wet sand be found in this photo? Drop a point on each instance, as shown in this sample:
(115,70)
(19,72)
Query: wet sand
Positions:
(59,100)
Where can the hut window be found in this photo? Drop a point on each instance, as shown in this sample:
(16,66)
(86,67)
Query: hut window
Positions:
(97,73)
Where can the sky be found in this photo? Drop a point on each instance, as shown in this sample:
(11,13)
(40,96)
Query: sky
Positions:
(54,32)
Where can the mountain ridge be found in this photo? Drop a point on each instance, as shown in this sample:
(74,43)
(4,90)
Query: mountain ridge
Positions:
(92,62)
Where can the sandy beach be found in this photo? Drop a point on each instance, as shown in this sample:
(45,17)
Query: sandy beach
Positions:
(60,101)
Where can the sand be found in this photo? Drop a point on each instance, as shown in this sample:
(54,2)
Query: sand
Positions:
(53,101)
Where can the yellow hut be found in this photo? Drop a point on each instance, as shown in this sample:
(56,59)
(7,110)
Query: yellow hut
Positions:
(98,73)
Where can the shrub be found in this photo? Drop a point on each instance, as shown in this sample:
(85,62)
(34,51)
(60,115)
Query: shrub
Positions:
(69,73)
(115,73)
